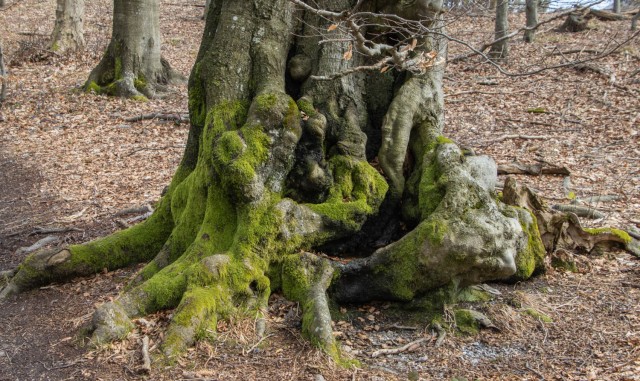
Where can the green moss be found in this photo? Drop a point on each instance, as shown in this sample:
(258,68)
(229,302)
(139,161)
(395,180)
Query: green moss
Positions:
(140,83)
(118,69)
(444,140)
(621,234)
(307,107)
(140,98)
(466,322)
(472,295)
(357,191)
(537,315)
(93,87)
(531,258)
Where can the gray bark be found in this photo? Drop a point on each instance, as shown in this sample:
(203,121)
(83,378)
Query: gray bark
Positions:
(634,21)
(500,50)
(617,6)
(532,19)
(3,77)
(132,65)
(68,32)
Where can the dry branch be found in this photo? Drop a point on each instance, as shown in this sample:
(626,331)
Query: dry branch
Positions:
(172,117)
(532,169)
(41,243)
(580,211)
(146,360)
(392,351)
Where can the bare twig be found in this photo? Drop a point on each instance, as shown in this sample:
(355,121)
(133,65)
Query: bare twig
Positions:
(391,351)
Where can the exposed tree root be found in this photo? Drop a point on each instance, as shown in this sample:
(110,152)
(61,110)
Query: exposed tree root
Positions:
(560,230)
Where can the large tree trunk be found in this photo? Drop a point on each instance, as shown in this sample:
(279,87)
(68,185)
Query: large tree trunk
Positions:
(532,20)
(276,167)
(68,33)
(500,50)
(132,65)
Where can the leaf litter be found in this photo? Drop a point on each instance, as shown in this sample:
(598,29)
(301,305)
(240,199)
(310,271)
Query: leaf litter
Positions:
(70,159)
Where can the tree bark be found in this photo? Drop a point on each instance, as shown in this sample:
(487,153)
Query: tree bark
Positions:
(532,19)
(3,77)
(634,21)
(616,6)
(68,32)
(132,65)
(500,50)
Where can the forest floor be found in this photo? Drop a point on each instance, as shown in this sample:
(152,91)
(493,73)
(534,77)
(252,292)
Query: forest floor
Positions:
(70,160)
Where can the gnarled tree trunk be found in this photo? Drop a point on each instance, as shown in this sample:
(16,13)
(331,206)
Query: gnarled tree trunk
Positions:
(132,65)
(277,167)
(68,32)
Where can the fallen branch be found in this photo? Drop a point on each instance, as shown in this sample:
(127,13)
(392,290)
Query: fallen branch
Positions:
(605,16)
(526,137)
(39,230)
(146,360)
(41,243)
(172,117)
(134,210)
(597,199)
(580,211)
(532,169)
(153,149)
(486,92)
(391,351)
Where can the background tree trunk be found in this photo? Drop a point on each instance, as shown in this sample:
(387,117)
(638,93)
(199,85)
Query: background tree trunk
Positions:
(500,50)
(617,6)
(532,19)
(132,65)
(3,77)
(68,33)
(634,21)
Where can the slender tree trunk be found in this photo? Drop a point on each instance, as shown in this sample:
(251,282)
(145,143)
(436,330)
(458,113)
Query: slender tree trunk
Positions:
(634,21)
(616,6)
(532,19)
(500,50)
(68,32)
(3,77)
(132,65)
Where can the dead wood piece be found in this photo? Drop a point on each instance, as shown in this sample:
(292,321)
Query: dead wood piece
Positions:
(575,22)
(525,137)
(560,229)
(580,211)
(141,217)
(146,360)
(605,15)
(392,351)
(174,117)
(532,169)
(591,67)
(573,51)
(134,210)
(39,230)
(598,199)
(441,334)
(41,243)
